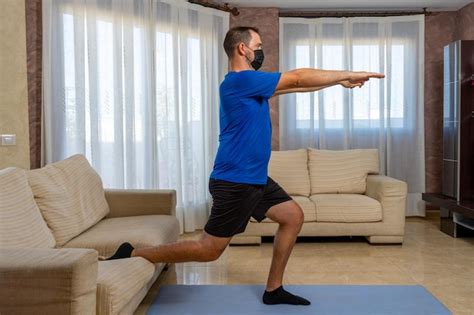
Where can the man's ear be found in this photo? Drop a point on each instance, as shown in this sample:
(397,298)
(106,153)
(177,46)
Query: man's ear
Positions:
(241,49)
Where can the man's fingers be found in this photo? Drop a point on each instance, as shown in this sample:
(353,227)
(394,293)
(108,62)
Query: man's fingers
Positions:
(376,75)
(359,82)
(365,76)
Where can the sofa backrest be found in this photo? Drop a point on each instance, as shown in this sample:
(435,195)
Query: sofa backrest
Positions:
(290,170)
(70,196)
(21,223)
(341,171)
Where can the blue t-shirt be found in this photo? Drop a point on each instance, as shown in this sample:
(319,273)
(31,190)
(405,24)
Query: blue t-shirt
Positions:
(245,139)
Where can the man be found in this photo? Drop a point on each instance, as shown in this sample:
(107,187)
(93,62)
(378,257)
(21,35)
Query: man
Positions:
(239,183)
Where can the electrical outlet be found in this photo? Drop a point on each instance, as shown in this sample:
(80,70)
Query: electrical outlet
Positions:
(7,140)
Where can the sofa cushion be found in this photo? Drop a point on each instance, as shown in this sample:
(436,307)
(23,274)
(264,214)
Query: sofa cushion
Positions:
(306,205)
(140,231)
(118,281)
(70,196)
(290,170)
(343,172)
(346,208)
(21,223)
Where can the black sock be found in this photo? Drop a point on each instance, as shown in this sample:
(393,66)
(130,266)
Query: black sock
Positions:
(124,251)
(281,296)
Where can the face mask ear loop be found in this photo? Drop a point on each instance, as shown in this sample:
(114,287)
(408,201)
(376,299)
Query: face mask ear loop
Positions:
(248,60)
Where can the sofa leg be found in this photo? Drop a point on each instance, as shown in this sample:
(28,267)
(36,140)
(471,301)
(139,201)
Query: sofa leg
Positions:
(246,240)
(385,239)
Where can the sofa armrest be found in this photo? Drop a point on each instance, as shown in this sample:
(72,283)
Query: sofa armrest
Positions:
(48,281)
(381,187)
(126,203)
(391,193)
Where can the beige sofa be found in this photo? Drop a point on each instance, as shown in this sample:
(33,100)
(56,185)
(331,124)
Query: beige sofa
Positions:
(341,194)
(56,221)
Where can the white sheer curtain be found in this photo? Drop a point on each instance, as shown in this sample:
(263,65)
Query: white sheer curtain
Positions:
(386,114)
(133,85)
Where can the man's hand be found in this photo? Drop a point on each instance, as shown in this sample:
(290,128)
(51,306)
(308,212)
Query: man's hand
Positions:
(357,79)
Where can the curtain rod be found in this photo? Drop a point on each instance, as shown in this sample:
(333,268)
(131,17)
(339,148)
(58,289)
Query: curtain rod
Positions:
(340,14)
(314,14)
(233,10)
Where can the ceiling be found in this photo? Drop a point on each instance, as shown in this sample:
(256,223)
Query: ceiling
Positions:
(352,5)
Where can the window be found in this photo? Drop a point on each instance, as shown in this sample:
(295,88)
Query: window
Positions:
(357,45)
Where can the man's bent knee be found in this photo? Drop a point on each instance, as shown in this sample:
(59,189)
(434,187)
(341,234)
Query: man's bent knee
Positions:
(210,253)
(211,248)
(300,216)
(295,216)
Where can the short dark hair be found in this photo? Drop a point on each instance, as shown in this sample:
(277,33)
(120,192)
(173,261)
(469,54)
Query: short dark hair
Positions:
(235,36)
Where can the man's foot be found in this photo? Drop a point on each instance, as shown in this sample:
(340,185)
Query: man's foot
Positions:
(124,251)
(281,296)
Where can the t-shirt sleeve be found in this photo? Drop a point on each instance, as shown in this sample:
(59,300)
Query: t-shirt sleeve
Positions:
(258,83)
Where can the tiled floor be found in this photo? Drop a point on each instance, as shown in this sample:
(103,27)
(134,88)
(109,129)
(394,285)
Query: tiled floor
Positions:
(442,264)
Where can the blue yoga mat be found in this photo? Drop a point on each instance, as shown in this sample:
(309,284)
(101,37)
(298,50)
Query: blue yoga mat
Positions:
(325,299)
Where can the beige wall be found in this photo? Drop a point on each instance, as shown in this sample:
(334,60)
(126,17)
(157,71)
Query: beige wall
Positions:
(13,84)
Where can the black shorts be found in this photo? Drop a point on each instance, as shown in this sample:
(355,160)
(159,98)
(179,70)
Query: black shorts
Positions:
(234,204)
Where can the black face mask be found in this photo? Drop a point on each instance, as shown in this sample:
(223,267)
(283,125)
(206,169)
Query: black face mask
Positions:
(258,60)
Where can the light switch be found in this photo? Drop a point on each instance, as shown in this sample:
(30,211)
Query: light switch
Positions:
(8,140)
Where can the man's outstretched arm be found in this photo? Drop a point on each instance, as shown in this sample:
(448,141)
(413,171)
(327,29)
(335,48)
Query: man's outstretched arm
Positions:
(310,80)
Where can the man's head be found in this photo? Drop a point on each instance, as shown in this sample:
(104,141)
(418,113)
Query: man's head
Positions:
(244,42)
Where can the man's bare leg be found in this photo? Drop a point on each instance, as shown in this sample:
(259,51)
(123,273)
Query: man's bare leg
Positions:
(290,218)
(207,248)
